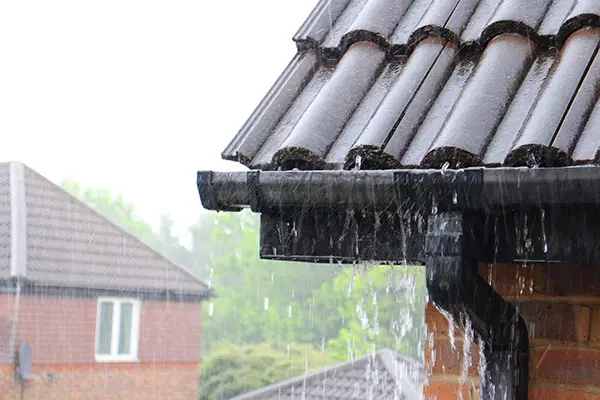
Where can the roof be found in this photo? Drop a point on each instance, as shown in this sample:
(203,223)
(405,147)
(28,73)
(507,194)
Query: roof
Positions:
(383,375)
(433,83)
(52,239)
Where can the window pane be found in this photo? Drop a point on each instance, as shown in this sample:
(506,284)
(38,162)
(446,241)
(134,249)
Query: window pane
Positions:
(105,328)
(125,328)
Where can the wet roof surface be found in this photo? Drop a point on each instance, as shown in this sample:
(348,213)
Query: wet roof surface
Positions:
(384,375)
(70,245)
(418,84)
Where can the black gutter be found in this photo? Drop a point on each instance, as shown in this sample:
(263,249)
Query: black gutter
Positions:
(455,203)
(471,188)
(455,285)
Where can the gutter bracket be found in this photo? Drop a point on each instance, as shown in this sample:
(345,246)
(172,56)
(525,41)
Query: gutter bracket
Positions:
(455,285)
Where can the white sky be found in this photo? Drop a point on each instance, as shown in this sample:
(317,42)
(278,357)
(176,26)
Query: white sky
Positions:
(136,96)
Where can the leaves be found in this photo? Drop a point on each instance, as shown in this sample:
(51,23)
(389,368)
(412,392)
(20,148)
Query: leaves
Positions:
(231,370)
(263,307)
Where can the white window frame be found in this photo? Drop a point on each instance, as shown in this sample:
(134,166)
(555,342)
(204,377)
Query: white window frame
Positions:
(114,341)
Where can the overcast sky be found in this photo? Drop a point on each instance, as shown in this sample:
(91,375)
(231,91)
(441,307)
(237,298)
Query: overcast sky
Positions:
(136,96)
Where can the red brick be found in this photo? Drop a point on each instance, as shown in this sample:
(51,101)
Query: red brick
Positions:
(436,322)
(557,321)
(511,279)
(536,393)
(569,366)
(446,391)
(595,325)
(557,280)
(61,331)
(450,361)
(151,382)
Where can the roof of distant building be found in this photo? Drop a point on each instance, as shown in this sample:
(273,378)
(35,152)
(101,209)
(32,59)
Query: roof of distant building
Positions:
(383,375)
(53,240)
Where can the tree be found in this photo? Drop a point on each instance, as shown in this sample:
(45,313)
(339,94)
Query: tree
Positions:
(379,306)
(231,370)
(258,300)
(112,207)
(345,310)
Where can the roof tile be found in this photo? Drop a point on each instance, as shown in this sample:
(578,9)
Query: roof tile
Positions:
(415,84)
(384,375)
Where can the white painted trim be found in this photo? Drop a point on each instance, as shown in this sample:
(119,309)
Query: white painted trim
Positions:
(114,342)
(18,220)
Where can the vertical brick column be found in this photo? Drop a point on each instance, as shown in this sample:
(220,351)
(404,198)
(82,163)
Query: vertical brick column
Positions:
(561,305)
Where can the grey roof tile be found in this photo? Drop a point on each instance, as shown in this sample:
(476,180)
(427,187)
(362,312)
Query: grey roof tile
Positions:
(71,245)
(416,84)
(382,376)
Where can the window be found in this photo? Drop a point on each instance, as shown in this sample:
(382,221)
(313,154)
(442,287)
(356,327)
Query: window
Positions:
(117,329)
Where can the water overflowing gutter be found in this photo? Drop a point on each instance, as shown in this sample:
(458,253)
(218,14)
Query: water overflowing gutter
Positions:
(471,188)
(455,285)
(453,202)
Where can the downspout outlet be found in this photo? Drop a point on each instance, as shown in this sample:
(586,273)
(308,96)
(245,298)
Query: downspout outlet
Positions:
(455,286)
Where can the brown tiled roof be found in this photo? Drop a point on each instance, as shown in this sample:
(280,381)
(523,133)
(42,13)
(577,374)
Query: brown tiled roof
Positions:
(422,83)
(69,245)
(382,376)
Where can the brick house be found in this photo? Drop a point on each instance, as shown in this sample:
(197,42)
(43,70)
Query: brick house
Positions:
(459,134)
(105,316)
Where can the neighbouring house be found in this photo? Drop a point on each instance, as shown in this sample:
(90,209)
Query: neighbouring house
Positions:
(104,315)
(459,134)
(384,375)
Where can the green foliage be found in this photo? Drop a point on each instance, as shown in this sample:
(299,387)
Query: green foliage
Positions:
(231,370)
(382,306)
(258,300)
(345,312)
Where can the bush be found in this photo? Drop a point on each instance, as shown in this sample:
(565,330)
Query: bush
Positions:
(231,370)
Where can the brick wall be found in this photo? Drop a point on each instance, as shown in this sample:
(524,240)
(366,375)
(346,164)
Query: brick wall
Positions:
(561,306)
(6,317)
(106,381)
(61,331)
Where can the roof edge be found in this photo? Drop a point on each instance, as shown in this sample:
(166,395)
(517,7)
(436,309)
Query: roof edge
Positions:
(16,285)
(336,367)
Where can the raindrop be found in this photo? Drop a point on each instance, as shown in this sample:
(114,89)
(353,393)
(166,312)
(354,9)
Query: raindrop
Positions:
(455,198)
(532,162)
(211,309)
(531,280)
(272,277)
(290,311)
(217,219)
(521,284)
(445,167)
(266,303)
(434,205)
(358,162)
(544,239)
(466,351)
